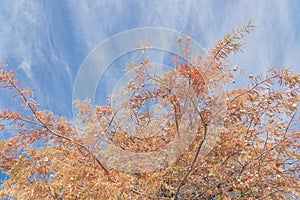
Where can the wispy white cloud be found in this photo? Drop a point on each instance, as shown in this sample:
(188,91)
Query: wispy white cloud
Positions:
(17,19)
(207,21)
(94,21)
(26,66)
(274,44)
(36,40)
(49,40)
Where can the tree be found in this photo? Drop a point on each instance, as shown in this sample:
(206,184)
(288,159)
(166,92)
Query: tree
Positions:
(253,155)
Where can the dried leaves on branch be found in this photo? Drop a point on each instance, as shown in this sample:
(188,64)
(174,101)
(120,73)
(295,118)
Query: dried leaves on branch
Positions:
(255,154)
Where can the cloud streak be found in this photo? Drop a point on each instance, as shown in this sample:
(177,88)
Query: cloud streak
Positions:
(275,43)
(47,41)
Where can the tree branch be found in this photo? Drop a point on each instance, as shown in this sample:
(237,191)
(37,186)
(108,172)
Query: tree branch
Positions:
(190,169)
(42,124)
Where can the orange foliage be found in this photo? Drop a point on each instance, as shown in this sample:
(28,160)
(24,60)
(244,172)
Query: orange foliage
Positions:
(256,155)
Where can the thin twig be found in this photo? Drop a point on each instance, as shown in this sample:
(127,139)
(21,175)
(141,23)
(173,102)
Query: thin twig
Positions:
(190,169)
(242,94)
(32,109)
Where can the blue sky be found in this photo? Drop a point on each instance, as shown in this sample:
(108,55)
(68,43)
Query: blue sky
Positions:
(46,41)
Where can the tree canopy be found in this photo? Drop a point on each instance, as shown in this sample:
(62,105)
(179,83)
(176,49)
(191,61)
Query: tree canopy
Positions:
(222,142)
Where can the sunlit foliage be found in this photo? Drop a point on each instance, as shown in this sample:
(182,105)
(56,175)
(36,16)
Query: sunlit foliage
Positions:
(256,155)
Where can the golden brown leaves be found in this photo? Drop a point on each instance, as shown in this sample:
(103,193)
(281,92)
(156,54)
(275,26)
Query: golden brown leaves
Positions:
(232,42)
(256,155)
